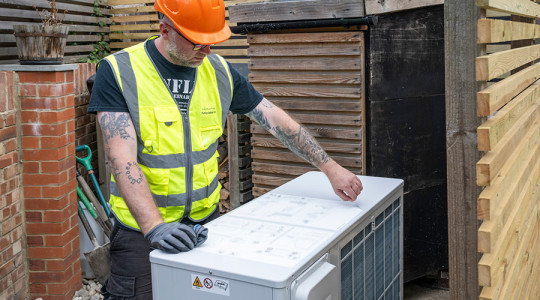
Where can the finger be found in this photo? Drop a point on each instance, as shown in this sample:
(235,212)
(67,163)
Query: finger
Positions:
(343,195)
(188,231)
(165,246)
(180,245)
(356,188)
(185,239)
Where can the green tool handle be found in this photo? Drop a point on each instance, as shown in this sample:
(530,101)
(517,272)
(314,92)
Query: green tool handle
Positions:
(85,161)
(86,203)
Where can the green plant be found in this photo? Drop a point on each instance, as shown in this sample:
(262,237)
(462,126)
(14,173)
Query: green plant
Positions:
(50,17)
(101,48)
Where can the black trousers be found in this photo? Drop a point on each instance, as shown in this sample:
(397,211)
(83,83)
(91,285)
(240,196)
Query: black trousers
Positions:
(131,277)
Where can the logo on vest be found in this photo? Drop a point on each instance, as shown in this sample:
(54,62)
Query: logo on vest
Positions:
(209,110)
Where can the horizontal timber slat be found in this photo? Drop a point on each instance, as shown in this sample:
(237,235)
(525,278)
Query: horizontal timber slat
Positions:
(374,7)
(490,164)
(127,2)
(317,104)
(493,130)
(298,49)
(320,37)
(295,10)
(271,180)
(493,65)
(317,91)
(524,8)
(265,154)
(136,18)
(321,63)
(329,146)
(317,77)
(321,132)
(135,27)
(280,167)
(496,31)
(499,193)
(498,94)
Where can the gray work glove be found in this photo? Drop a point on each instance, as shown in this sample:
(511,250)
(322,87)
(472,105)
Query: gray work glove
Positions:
(171,237)
(202,234)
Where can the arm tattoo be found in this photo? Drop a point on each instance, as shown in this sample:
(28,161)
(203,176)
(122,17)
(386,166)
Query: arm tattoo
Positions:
(302,144)
(134,173)
(257,115)
(112,126)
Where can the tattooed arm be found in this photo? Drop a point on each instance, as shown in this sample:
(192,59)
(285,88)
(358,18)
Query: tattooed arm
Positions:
(345,184)
(120,145)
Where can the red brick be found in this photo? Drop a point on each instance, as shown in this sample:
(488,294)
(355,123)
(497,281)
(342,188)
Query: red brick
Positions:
(47,203)
(10,145)
(57,116)
(47,228)
(6,160)
(10,91)
(51,90)
(59,276)
(70,101)
(69,76)
(63,264)
(29,116)
(10,120)
(8,133)
(44,179)
(31,167)
(70,125)
(11,223)
(34,216)
(59,166)
(32,191)
(43,103)
(6,268)
(11,171)
(36,264)
(59,191)
(58,215)
(38,288)
(28,90)
(42,77)
(44,129)
(49,252)
(4,242)
(45,154)
(35,241)
(55,141)
(17,233)
(31,142)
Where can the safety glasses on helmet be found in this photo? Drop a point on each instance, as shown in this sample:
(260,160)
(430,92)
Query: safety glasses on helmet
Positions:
(196,47)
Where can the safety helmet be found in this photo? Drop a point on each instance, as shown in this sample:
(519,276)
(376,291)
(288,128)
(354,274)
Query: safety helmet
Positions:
(201,21)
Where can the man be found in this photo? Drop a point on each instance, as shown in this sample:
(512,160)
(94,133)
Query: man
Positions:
(162,105)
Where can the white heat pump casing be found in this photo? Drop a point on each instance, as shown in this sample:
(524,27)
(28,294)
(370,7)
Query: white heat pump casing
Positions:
(297,242)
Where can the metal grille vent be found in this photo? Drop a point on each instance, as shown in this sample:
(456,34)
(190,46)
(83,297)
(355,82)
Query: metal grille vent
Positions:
(370,262)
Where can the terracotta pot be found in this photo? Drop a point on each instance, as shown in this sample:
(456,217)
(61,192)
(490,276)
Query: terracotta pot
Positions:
(38,44)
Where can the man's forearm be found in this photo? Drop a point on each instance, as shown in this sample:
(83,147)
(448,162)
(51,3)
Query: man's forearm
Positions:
(120,148)
(293,136)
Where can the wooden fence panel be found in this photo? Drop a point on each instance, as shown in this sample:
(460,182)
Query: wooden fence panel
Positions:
(318,78)
(86,29)
(509,206)
(133,21)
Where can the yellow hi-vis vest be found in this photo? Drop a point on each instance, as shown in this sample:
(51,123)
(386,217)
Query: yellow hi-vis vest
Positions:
(176,152)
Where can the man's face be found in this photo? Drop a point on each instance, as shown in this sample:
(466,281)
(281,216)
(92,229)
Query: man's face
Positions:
(181,52)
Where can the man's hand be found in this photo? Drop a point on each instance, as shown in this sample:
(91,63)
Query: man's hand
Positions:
(345,184)
(201,233)
(172,237)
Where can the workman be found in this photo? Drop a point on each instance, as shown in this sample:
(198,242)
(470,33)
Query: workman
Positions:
(162,105)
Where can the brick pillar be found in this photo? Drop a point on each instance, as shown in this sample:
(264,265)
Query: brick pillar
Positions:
(48,177)
(12,259)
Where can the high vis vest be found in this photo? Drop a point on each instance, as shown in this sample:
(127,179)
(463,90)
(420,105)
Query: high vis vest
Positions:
(176,152)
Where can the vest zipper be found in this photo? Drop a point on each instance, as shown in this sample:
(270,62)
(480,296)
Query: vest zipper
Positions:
(188,148)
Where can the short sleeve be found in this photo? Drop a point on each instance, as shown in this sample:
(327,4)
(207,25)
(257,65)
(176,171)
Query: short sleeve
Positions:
(245,96)
(106,94)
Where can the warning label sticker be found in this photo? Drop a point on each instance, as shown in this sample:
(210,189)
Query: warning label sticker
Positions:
(210,284)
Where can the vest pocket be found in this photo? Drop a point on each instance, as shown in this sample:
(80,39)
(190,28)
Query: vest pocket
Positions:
(158,180)
(169,129)
(208,135)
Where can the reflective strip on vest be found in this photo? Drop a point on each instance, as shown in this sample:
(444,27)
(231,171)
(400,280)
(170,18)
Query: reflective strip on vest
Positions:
(165,157)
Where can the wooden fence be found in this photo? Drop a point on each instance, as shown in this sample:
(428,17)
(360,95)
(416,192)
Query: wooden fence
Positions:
(133,21)
(509,236)
(85,29)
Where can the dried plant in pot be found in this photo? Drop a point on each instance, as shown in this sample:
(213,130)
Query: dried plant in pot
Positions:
(43,43)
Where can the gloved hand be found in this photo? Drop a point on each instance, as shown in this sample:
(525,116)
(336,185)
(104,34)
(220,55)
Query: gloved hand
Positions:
(172,237)
(202,234)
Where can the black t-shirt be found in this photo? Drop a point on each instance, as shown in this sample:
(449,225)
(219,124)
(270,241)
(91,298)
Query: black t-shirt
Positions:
(107,96)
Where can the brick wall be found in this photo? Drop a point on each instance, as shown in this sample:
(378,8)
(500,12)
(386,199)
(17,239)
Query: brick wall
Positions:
(48,177)
(85,124)
(12,243)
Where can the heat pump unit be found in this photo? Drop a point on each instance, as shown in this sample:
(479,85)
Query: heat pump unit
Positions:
(299,241)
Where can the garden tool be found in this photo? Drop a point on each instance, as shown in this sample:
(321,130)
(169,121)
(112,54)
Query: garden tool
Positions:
(85,161)
(98,259)
(93,212)
(100,211)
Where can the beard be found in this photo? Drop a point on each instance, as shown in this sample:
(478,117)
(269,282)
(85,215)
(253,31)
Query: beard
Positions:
(177,56)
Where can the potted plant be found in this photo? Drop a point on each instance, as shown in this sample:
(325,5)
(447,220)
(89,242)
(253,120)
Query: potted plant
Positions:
(42,43)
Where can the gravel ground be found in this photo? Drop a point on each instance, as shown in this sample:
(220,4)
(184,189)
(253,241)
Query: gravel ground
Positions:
(89,291)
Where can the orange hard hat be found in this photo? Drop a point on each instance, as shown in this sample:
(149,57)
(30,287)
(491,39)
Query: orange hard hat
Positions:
(201,21)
